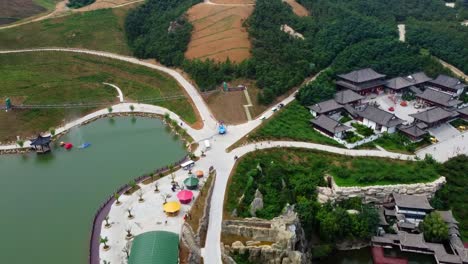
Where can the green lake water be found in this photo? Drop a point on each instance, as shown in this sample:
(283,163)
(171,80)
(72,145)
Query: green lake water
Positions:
(48,201)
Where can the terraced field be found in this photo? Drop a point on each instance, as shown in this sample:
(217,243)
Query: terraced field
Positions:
(218,32)
(298,9)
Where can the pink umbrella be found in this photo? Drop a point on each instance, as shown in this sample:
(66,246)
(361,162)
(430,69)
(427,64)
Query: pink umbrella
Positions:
(185,196)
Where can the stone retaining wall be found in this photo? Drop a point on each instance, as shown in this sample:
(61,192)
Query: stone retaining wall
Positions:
(378,193)
(285,234)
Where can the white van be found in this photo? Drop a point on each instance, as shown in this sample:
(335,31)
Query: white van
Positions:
(207,144)
(187,165)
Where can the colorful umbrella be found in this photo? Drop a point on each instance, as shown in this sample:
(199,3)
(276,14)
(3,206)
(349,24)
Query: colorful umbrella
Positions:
(199,174)
(185,196)
(171,207)
(191,183)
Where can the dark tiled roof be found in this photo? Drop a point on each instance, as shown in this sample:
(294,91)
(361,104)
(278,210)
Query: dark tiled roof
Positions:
(329,124)
(363,75)
(380,116)
(421,125)
(398,83)
(412,240)
(415,90)
(460,249)
(449,82)
(433,115)
(40,141)
(442,255)
(412,130)
(463,111)
(406,225)
(350,110)
(447,216)
(325,106)
(412,201)
(438,97)
(347,96)
(418,78)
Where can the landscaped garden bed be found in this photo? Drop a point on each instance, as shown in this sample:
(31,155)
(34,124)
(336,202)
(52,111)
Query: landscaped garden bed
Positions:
(397,142)
(460,124)
(291,123)
(363,130)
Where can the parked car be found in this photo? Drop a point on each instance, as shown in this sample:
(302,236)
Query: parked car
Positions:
(263,117)
(281,105)
(274,109)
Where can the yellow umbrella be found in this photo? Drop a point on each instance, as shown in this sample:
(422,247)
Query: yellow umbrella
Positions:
(171,207)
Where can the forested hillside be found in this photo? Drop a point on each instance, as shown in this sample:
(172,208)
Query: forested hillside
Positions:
(159,29)
(446,40)
(342,35)
(357,34)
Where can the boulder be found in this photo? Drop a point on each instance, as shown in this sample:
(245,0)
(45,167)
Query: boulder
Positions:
(237,244)
(257,203)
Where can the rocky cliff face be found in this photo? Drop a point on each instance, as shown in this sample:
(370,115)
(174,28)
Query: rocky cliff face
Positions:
(279,241)
(377,194)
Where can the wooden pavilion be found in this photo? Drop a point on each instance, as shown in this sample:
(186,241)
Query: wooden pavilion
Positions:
(41,144)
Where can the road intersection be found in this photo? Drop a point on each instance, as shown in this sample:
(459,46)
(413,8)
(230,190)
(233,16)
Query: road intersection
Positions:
(217,156)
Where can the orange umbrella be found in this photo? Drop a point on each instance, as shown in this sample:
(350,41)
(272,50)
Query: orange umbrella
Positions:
(171,207)
(199,173)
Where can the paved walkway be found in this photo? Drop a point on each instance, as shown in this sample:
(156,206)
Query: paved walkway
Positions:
(61,10)
(216,156)
(446,149)
(402,32)
(208,2)
(120,108)
(198,101)
(444,132)
(148,215)
(120,96)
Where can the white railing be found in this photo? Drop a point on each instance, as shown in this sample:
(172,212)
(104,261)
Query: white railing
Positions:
(358,143)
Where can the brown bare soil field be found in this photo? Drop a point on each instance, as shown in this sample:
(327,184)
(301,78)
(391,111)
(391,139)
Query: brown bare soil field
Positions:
(218,33)
(233,1)
(13,10)
(227,106)
(298,9)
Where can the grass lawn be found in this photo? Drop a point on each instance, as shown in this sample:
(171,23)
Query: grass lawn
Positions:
(397,142)
(98,30)
(291,123)
(60,77)
(48,4)
(290,173)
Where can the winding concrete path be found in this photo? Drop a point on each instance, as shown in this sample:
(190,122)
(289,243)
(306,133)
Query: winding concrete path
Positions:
(60,10)
(198,101)
(454,69)
(120,96)
(120,108)
(208,2)
(216,156)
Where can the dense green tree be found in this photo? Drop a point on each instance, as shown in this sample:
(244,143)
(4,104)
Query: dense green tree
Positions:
(79,3)
(453,195)
(445,40)
(323,88)
(159,29)
(434,228)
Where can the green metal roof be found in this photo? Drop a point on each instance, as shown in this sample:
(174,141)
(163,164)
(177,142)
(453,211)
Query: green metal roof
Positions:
(156,247)
(191,181)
